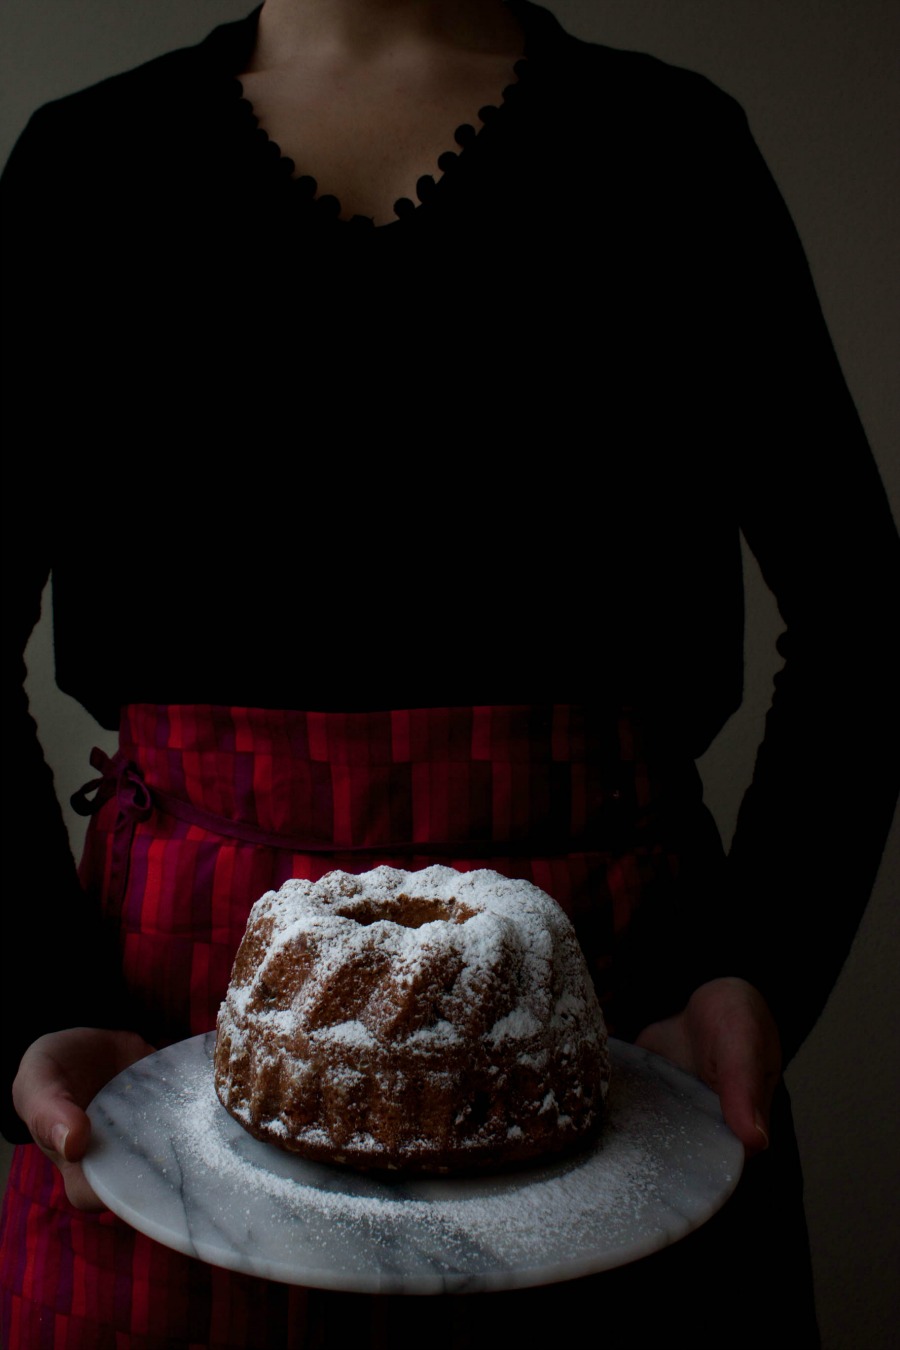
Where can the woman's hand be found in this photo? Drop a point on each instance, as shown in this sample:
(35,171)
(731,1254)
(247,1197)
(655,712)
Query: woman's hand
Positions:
(59,1075)
(727,1036)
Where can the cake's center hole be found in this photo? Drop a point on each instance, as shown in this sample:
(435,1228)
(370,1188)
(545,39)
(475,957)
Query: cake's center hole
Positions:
(409,911)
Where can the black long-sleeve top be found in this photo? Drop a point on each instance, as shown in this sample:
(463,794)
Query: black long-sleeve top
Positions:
(498,451)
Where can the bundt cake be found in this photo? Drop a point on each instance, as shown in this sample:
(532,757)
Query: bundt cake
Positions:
(429,1021)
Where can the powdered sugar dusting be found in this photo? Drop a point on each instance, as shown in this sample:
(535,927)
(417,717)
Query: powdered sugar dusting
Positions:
(338,913)
(412,1018)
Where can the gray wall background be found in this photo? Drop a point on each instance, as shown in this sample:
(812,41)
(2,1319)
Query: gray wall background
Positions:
(818,80)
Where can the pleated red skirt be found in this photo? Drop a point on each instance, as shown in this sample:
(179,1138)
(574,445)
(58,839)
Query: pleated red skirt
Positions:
(204,809)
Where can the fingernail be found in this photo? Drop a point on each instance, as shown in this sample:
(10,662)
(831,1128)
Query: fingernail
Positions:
(758,1122)
(58,1136)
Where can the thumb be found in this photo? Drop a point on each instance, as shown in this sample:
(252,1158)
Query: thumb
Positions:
(745,1088)
(60,1127)
(61,1130)
(44,1100)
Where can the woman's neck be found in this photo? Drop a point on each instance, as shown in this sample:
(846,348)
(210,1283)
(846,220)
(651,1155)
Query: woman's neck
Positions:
(364,95)
(358,29)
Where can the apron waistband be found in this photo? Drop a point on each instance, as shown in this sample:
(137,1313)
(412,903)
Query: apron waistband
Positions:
(465,783)
(122,778)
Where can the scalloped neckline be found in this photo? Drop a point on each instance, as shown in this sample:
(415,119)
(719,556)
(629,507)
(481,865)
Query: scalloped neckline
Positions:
(328,206)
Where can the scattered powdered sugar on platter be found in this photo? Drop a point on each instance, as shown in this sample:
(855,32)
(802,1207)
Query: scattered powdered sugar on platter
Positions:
(175,1164)
(492,1207)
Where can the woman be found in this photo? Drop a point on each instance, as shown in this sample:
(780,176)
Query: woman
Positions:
(602,257)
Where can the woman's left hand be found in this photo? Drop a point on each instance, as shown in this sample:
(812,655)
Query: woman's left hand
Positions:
(727,1036)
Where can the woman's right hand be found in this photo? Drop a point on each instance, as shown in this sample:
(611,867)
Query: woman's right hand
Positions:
(59,1075)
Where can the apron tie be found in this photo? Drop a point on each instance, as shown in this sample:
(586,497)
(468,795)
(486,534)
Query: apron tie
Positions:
(122,779)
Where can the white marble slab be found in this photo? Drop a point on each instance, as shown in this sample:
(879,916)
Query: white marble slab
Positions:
(168,1158)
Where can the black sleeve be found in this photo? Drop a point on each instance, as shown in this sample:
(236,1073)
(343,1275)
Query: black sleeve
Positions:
(59,969)
(813,824)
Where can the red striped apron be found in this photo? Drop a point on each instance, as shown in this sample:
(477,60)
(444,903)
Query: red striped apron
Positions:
(205,808)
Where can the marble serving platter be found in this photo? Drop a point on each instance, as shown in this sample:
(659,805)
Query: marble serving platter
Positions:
(169,1160)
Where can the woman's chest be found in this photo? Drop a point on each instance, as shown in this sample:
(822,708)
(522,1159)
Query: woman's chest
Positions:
(368,135)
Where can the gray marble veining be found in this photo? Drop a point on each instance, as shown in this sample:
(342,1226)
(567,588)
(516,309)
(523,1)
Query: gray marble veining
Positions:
(167,1158)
